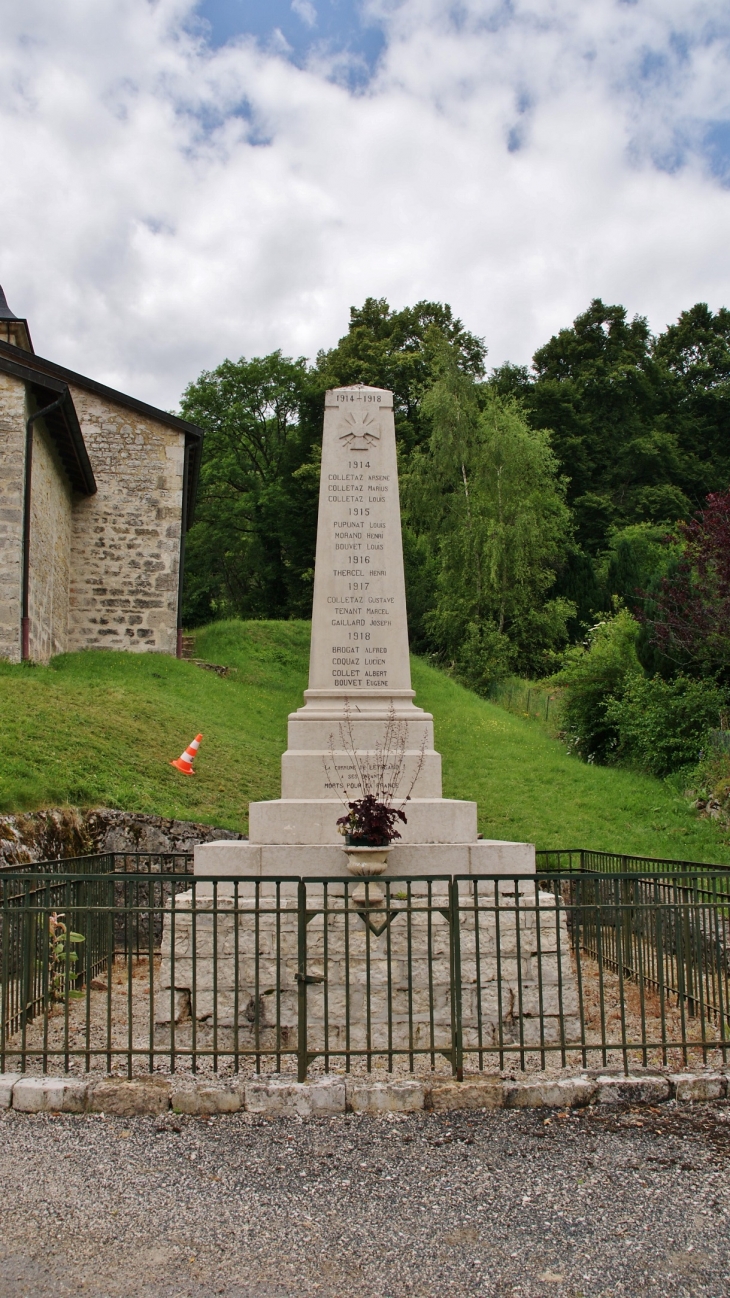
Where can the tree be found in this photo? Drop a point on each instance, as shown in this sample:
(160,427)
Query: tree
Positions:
(593,675)
(251,549)
(662,726)
(398,350)
(487,493)
(600,390)
(695,355)
(691,618)
(634,561)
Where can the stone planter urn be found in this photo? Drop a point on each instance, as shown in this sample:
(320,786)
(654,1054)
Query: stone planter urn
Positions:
(367,862)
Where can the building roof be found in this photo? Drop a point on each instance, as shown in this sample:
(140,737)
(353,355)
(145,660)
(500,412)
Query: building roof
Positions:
(20,329)
(62,423)
(45,373)
(5,312)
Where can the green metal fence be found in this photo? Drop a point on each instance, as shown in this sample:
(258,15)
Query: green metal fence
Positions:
(178,972)
(563,860)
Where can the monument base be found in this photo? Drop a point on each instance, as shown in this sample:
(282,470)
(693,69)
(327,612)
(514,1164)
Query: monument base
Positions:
(328,861)
(298,821)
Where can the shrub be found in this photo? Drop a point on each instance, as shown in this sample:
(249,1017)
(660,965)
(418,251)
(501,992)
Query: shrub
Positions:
(484,657)
(663,725)
(592,674)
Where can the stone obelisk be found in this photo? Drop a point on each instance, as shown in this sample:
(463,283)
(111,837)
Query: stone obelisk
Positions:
(359,673)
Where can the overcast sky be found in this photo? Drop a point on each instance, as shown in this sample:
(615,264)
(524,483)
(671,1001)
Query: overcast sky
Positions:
(183,182)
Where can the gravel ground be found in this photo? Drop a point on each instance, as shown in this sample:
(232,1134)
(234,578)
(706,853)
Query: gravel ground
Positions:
(528,1203)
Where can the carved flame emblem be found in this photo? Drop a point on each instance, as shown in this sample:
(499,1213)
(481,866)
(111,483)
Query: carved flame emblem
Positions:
(362,431)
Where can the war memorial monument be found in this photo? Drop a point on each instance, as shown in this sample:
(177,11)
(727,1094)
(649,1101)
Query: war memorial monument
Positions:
(378,951)
(359,658)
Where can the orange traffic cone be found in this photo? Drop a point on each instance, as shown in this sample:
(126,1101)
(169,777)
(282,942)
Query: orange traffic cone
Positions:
(184,762)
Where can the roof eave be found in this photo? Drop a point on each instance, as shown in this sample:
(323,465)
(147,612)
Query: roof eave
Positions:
(52,370)
(80,472)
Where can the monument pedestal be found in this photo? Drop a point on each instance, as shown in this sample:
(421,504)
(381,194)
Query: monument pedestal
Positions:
(327,861)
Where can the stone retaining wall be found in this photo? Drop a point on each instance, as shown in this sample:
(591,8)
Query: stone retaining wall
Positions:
(68,831)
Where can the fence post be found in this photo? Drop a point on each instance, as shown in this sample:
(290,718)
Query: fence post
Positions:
(457,1041)
(29,943)
(302,1059)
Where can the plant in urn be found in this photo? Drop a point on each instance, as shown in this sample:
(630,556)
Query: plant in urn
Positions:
(370,820)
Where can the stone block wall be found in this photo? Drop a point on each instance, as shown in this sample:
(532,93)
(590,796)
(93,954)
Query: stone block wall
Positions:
(126,539)
(12,451)
(50,549)
(516,973)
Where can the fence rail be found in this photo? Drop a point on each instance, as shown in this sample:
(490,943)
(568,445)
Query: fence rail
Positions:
(585,860)
(105,863)
(175,971)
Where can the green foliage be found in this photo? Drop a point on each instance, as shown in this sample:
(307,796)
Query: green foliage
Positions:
(484,656)
(400,350)
(593,674)
(486,493)
(251,548)
(712,780)
(636,558)
(62,960)
(694,355)
(600,389)
(661,725)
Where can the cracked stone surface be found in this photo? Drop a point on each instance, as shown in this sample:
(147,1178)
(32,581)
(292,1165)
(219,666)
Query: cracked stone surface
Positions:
(604,1201)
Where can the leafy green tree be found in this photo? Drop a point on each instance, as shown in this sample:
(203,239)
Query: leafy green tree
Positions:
(251,549)
(634,561)
(600,390)
(690,618)
(694,354)
(399,350)
(487,493)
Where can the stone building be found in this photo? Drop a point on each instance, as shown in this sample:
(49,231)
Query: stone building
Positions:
(96,494)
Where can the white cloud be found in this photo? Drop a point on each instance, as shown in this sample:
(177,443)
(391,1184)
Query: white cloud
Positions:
(305,10)
(164,205)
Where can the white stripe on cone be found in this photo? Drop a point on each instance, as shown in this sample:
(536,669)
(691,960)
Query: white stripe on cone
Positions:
(184,762)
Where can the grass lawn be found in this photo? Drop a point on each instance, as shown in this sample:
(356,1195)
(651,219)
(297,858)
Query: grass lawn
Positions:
(528,788)
(100,729)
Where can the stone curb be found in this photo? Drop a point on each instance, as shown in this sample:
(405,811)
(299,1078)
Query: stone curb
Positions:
(277,1096)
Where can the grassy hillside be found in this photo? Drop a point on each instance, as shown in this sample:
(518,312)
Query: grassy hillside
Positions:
(101,729)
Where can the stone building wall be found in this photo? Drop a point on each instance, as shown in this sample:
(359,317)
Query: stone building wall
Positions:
(126,539)
(50,549)
(12,448)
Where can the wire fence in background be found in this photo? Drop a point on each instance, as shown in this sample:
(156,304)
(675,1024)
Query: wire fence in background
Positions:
(527,699)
